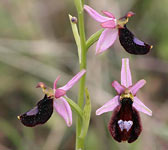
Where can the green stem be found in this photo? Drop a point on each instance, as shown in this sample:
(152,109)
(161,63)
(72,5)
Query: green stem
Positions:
(79,7)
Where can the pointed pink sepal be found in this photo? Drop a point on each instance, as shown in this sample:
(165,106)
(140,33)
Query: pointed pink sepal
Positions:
(108,14)
(59,93)
(107,38)
(75,79)
(126,79)
(141,107)
(95,15)
(109,106)
(118,87)
(134,89)
(64,110)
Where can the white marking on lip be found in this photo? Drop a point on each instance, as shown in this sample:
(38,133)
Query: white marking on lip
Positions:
(121,124)
(125,125)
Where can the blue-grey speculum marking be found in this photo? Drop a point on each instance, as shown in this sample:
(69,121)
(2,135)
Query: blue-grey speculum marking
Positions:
(125,125)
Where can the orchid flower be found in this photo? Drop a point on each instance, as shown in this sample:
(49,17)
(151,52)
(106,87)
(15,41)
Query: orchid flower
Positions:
(114,27)
(54,98)
(125,106)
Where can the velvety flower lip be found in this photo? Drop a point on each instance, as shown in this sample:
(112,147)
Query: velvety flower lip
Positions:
(126,85)
(60,104)
(110,25)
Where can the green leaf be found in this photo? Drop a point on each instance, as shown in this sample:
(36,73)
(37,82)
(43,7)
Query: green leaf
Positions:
(76,36)
(93,38)
(74,106)
(86,115)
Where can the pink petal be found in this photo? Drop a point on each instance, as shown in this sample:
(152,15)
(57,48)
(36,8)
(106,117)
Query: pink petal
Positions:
(95,15)
(64,110)
(141,107)
(118,87)
(59,93)
(75,79)
(134,89)
(55,82)
(126,79)
(109,24)
(106,40)
(108,14)
(109,106)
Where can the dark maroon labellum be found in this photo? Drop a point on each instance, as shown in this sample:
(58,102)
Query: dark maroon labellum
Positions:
(132,44)
(125,124)
(39,114)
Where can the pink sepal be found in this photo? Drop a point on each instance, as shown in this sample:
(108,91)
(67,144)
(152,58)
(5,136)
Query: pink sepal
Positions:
(126,79)
(64,110)
(106,40)
(109,106)
(141,107)
(95,15)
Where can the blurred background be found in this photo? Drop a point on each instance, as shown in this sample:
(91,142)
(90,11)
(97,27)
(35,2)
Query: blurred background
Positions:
(36,44)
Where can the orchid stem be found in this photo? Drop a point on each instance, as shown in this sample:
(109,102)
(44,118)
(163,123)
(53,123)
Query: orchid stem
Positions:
(79,6)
